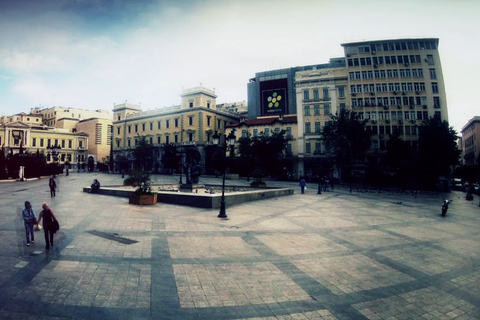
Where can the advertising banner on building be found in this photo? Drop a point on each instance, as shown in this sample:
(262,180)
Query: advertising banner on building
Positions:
(274,101)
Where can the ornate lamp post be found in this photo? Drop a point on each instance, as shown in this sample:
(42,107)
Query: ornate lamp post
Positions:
(54,150)
(229,145)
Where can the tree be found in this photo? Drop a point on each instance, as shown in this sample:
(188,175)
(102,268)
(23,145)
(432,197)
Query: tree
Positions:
(143,154)
(245,152)
(398,159)
(437,150)
(263,151)
(170,158)
(347,138)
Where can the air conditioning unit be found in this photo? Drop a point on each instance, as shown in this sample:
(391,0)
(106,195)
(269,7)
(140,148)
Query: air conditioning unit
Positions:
(385,107)
(387,121)
(395,92)
(372,93)
(400,121)
(373,52)
(424,107)
(399,107)
(417,92)
(375,65)
(411,107)
(348,54)
(354,94)
(374,121)
(404,93)
(426,60)
(380,103)
(412,121)
(406,64)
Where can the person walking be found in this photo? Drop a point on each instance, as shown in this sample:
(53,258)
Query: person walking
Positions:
(53,185)
(49,224)
(30,219)
(302,185)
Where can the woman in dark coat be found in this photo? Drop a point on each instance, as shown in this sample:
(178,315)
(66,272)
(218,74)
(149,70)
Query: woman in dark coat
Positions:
(49,224)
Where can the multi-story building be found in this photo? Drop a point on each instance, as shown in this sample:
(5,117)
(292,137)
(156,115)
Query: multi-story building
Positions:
(192,123)
(97,124)
(32,137)
(470,144)
(52,115)
(394,84)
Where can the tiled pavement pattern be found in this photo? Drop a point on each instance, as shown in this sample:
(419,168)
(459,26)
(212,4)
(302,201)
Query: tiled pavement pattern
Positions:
(338,255)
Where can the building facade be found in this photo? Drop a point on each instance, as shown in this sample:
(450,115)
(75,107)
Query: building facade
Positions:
(394,84)
(192,123)
(28,137)
(470,144)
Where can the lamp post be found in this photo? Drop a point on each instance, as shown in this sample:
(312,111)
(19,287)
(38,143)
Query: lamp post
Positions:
(54,150)
(18,139)
(229,144)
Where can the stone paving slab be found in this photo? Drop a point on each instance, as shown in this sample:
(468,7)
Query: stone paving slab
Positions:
(338,255)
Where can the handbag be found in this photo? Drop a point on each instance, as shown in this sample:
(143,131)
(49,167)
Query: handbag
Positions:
(56,226)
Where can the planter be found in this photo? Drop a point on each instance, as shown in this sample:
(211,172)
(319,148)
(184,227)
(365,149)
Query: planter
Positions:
(258,184)
(142,199)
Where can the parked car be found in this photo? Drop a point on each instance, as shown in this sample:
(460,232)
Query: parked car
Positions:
(457,184)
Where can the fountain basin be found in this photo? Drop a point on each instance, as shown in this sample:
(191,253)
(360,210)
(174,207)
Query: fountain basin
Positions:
(205,196)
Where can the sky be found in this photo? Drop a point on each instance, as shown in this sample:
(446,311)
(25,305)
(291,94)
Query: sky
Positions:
(92,54)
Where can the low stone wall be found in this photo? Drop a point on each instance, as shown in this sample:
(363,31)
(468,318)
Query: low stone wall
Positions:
(202,200)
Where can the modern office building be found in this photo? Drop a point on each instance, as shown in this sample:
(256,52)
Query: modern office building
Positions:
(470,144)
(192,123)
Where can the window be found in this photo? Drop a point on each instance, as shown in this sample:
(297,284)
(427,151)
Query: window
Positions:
(308,147)
(167,139)
(308,128)
(176,122)
(306,110)
(316,94)
(325,93)
(343,106)
(136,128)
(190,121)
(255,132)
(151,140)
(436,102)
(327,108)
(159,139)
(191,136)
(341,92)
(129,129)
(190,104)
(70,144)
(118,130)
(151,125)
(289,133)
(167,124)
(175,138)
(306,95)
(317,127)
(433,74)
(34,142)
(209,121)
(357,75)
(434,87)
(318,147)
(316,109)
(159,124)
(267,132)
(63,143)
(430,60)
(143,126)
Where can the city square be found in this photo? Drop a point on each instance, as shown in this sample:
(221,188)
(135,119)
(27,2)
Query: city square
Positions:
(366,254)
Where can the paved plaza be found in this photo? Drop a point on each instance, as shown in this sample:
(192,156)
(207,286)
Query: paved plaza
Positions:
(338,255)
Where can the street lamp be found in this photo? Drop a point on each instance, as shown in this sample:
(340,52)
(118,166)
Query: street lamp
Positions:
(54,150)
(229,144)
